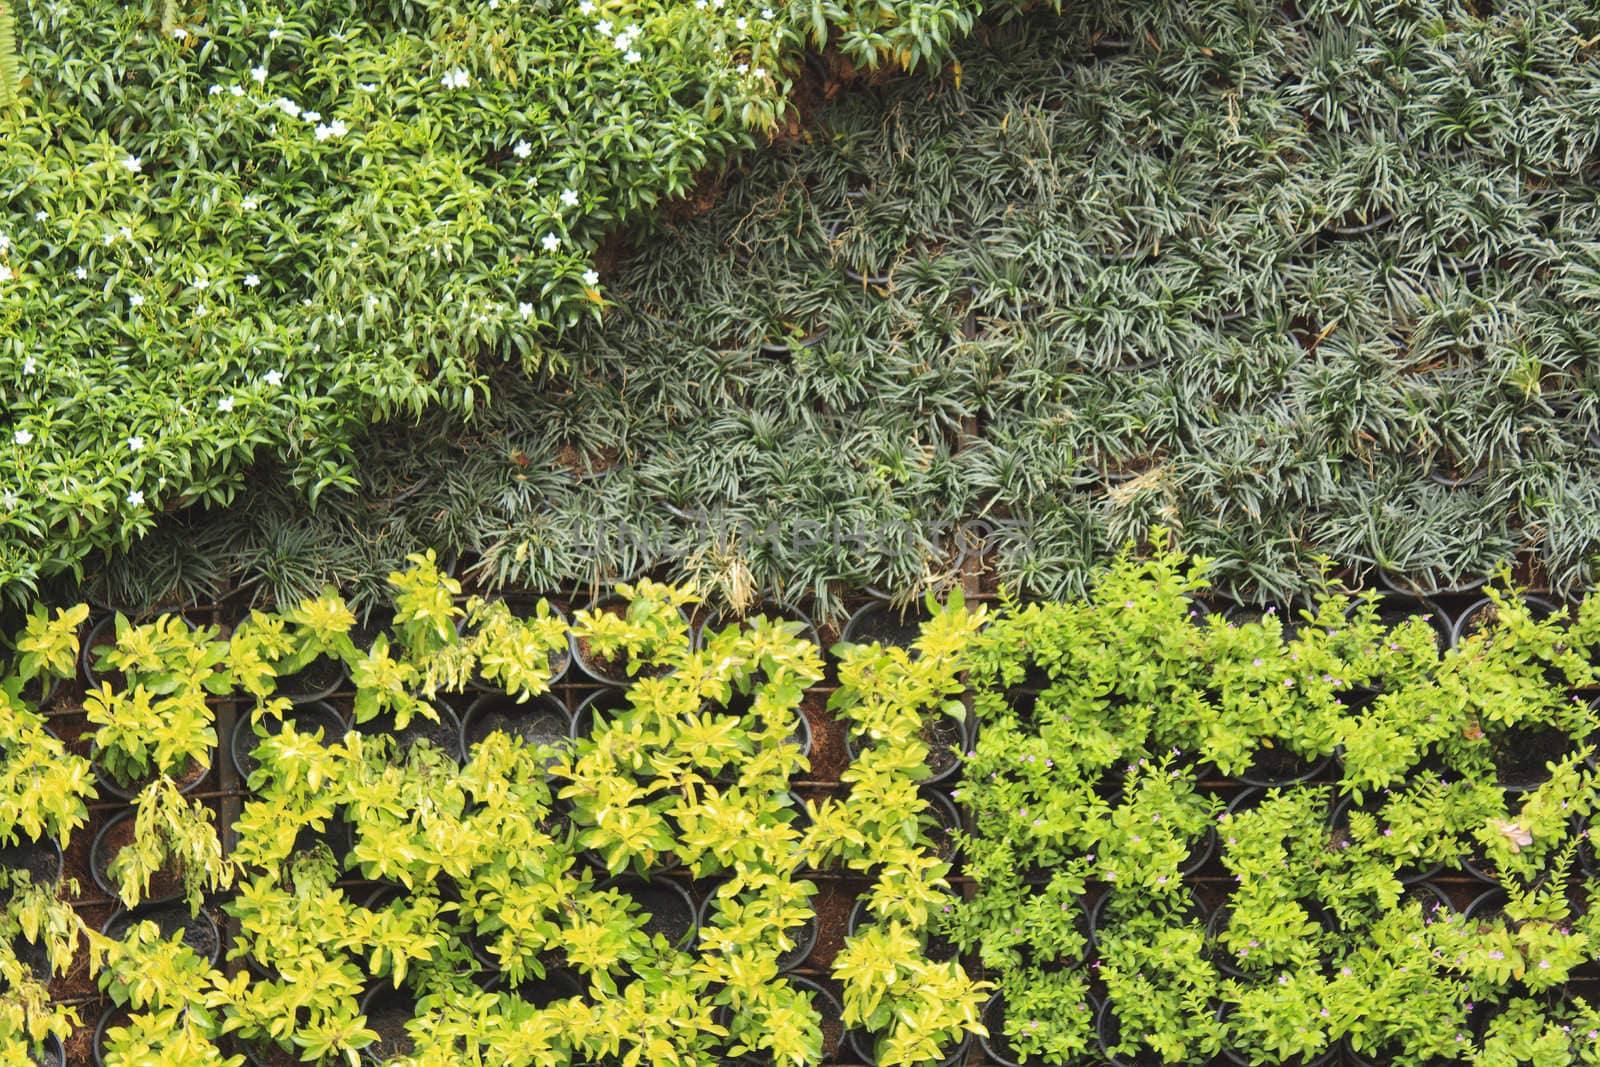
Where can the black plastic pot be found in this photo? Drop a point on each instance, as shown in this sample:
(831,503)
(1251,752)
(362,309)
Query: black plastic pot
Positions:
(558,983)
(1479,869)
(1187,904)
(879,621)
(1219,922)
(599,707)
(306,719)
(200,932)
(1521,755)
(1339,821)
(49,1053)
(104,627)
(1417,587)
(444,733)
(805,937)
(1479,611)
(784,348)
(740,704)
(101,856)
(611,673)
(1274,767)
(1108,1033)
(388,1010)
(1394,609)
(720,620)
(670,909)
(935,948)
(41,859)
(560,660)
(1487,904)
(948,742)
(317,680)
(188,782)
(111,1018)
(996,1047)
(865,1047)
(39,689)
(542,720)
(1246,614)
(941,822)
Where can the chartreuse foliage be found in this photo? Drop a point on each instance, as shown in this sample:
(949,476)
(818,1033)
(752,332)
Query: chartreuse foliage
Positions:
(247,230)
(1098,719)
(486,858)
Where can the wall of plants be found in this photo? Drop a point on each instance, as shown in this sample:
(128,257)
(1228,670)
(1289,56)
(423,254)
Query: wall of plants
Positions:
(1148,826)
(244,231)
(1292,280)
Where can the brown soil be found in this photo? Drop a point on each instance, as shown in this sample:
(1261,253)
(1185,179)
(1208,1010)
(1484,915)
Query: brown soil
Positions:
(832,905)
(828,755)
(583,464)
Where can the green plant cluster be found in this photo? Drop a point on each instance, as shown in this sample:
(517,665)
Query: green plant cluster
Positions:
(1252,270)
(246,231)
(485,860)
(1105,728)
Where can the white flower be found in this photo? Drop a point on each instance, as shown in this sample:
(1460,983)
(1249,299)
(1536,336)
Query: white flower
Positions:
(214,90)
(760,72)
(768,14)
(287,106)
(125,233)
(202,283)
(133,164)
(586,8)
(251,281)
(81,273)
(259,74)
(311,116)
(743,68)
(5,273)
(29,366)
(200,311)
(273,378)
(225,404)
(591,278)
(22,437)
(603,27)
(456,79)
(740,23)
(8,498)
(333,129)
(180,34)
(249,203)
(632,57)
(135,444)
(236,90)
(494,5)
(525,309)
(367,87)
(551,242)
(40,216)
(136,498)
(569,198)
(136,300)
(273,35)
(522,149)
(5,242)
(622,42)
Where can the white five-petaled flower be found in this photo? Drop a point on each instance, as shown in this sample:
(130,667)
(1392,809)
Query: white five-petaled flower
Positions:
(29,366)
(522,149)
(743,68)
(632,57)
(273,378)
(367,87)
(603,27)
(5,273)
(759,72)
(135,444)
(259,74)
(202,282)
(133,164)
(525,309)
(251,281)
(136,300)
(456,79)
(236,90)
(591,278)
(8,498)
(81,273)
(586,8)
(22,437)
(136,498)
(225,404)
(249,203)
(311,116)
(569,198)
(287,106)
(768,14)
(551,242)
(332,129)
(740,23)
(273,35)
(213,90)
(5,242)
(40,216)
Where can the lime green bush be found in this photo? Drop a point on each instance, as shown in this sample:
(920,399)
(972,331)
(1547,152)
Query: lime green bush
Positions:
(253,228)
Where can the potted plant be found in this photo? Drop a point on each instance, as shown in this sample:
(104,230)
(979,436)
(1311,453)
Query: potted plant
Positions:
(1161,993)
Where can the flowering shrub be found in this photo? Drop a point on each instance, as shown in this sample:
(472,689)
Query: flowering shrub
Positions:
(252,228)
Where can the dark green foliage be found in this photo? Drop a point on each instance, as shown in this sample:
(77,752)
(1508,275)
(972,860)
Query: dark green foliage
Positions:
(1249,272)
